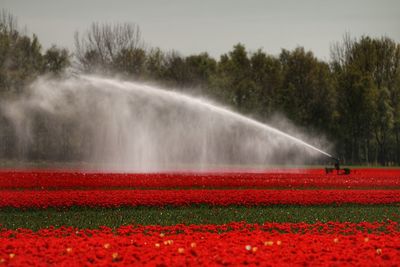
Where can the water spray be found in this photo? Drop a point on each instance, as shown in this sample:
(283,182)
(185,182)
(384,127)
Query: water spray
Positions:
(128,126)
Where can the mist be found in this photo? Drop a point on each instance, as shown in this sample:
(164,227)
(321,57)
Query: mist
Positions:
(114,125)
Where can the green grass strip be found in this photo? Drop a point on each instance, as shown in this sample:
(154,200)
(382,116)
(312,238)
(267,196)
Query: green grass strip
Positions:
(85,217)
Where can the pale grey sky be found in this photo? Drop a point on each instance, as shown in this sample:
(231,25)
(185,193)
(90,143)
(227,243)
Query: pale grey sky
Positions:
(215,26)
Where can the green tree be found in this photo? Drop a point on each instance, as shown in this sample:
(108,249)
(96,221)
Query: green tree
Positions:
(175,72)
(307,95)
(200,67)
(233,82)
(378,61)
(56,60)
(383,124)
(22,59)
(155,61)
(266,72)
(356,106)
(130,62)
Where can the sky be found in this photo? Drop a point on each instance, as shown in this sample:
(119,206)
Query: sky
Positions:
(214,26)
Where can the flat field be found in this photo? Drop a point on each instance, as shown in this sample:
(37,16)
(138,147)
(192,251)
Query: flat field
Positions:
(285,217)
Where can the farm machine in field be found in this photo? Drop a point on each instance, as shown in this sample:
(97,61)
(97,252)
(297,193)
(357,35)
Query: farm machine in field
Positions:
(336,167)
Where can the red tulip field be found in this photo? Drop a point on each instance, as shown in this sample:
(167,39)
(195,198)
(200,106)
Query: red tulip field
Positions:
(275,218)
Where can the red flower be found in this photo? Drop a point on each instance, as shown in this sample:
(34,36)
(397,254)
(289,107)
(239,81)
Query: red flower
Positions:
(359,178)
(235,243)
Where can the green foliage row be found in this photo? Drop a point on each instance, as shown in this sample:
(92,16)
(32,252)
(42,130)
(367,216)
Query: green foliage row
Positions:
(86,217)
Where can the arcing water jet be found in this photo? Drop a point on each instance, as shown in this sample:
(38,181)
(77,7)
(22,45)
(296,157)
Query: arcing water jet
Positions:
(130,126)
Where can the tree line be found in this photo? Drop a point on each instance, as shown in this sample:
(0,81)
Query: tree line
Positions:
(353,99)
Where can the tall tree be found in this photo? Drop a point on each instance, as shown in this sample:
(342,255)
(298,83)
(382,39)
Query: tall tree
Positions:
(200,67)
(307,95)
(356,106)
(105,46)
(21,58)
(266,72)
(21,61)
(175,71)
(154,64)
(56,60)
(377,60)
(233,81)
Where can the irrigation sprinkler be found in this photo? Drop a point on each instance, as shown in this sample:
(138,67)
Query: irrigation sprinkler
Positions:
(336,166)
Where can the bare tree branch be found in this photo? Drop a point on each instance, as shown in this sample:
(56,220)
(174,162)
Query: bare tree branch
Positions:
(103,43)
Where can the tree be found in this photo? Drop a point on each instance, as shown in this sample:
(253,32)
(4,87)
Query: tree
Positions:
(131,62)
(376,61)
(395,100)
(307,95)
(155,62)
(200,67)
(355,105)
(266,73)
(21,56)
(56,60)
(104,46)
(233,82)
(175,72)
(383,124)
(21,61)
